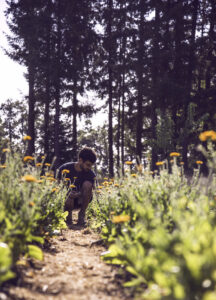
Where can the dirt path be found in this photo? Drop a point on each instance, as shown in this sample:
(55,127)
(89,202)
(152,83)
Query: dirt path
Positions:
(71,270)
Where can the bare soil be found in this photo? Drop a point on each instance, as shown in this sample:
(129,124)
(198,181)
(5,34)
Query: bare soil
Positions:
(71,269)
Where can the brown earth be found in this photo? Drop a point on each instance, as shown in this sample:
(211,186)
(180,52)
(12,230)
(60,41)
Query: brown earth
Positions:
(71,269)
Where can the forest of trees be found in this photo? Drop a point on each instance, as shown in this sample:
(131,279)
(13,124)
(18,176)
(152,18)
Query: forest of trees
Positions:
(150,63)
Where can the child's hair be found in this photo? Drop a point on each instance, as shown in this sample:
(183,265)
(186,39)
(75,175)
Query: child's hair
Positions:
(87,154)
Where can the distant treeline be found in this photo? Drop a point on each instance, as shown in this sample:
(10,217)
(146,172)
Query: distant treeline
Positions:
(151,63)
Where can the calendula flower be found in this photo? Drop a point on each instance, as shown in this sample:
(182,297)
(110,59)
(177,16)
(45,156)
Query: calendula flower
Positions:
(28,158)
(128,163)
(54,190)
(174,154)
(116,185)
(38,164)
(105,183)
(42,176)
(99,187)
(5,150)
(159,163)
(27,138)
(47,164)
(72,186)
(133,175)
(40,181)
(65,171)
(42,157)
(105,178)
(66,179)
(110,183)
(2,166)
(76,177)
(31,204)
(49,174)
(207,135)
(29,178)
(120,219)
(199,162)
(51,179)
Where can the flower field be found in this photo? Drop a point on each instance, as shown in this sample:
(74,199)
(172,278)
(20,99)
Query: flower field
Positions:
(161,229)
(31,208)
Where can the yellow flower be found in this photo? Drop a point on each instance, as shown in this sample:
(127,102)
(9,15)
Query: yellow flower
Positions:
(116,184)
(42,157)
(128,163)
(199,162)
(72,186)
(75,177)
(38,165)
(209,134)
(133,175)
(29,178)
(159,163)
(51,179)
(54,190)
(49,174)
(120,219)
(99,192)
(181,163)
(105,178)
(31,204)
(67,179)
(2,166)
(172,154)
(42,176)
(39,181)
(27,158)
(105,183)
(110,183)
(47,164)
(27,138)
(65,171)
(99,187)
(5,150)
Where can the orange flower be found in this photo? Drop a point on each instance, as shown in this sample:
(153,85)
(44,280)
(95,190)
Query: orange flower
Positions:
(38,165)
(72,186)
(207,135)
(199,162)
(29,178)
(27,138)
(174,154)
(31,204)
(2,166)
(28,158)
(47,164)
(133,175)
(65,171)
(120,219)
(128,163)
(159,163)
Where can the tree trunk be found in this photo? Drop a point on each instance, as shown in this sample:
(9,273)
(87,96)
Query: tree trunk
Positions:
(189,81)
(57,89)
(31,106)
(47,92)
(140,63)
(110,74)
(75,106)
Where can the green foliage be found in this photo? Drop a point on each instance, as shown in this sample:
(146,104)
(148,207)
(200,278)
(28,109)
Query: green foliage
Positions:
(168,246)
(29,207)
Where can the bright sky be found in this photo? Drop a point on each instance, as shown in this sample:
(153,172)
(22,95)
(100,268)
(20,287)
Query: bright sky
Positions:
(12,82)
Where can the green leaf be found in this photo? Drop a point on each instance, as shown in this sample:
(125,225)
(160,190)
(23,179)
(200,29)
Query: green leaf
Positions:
(35,252)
